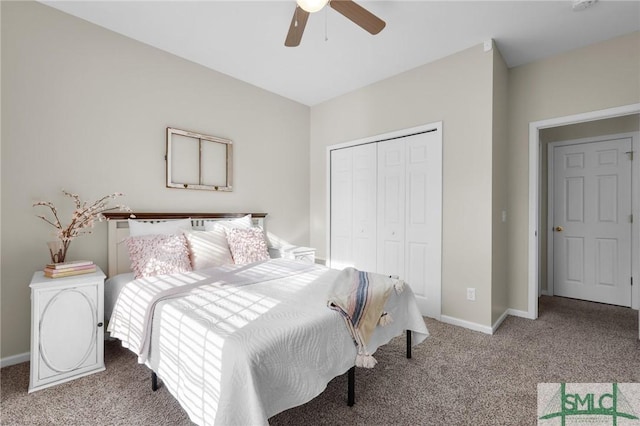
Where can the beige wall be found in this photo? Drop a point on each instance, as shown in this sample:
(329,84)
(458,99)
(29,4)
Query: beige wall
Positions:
(499,252)
(458,91)
(609,126)
(603,75)
(85,109)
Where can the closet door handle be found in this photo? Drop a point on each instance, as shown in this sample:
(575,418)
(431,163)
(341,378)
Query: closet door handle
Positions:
(559,229)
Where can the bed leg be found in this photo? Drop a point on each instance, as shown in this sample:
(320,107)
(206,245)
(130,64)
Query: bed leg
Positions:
(351,393)
(408,343)
(154,381)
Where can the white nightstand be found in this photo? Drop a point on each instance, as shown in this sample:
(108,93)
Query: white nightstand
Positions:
(303,254)
(67,329)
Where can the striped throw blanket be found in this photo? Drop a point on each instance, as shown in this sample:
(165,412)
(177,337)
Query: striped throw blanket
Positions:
(360,298)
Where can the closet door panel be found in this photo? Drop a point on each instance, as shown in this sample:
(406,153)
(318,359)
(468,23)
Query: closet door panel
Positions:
(391,208)
(364,206)
(416,235)
(341,208)
(417,268)
(423,220)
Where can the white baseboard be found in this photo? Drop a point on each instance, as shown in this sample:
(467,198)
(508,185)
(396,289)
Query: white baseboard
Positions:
(544,292)
(499,321)
(521,314)
(14,359)
(466,324)
(483,328)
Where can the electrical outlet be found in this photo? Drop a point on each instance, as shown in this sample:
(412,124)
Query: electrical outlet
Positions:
(471,294)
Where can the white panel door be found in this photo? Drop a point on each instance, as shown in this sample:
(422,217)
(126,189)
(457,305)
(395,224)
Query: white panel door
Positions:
(391,207)
(341,208)
(423,219)
(591,221)
(353,207)
(410,215)
(365,190)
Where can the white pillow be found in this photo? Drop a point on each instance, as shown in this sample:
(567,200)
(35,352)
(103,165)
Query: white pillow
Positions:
(178,226)
(208,249)
(242,222)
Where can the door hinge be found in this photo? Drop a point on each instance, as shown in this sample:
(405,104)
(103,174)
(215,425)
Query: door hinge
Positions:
(630,153)
(631,218)
(631,281)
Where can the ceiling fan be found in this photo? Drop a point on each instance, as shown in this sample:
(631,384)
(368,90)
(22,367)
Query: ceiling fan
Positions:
(348,8)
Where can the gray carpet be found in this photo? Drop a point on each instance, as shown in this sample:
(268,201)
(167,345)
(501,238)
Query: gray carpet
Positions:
(457,376)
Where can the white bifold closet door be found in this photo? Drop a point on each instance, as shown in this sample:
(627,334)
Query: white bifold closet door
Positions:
(353,212)
(386,212)
(409,215)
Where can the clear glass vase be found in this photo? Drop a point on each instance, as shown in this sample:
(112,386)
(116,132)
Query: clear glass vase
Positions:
(58,250)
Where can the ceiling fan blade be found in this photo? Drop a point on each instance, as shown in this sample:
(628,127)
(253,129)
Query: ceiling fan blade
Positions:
(298,22)
(359,15)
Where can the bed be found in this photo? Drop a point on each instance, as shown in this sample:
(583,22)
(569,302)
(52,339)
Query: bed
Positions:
(237,344)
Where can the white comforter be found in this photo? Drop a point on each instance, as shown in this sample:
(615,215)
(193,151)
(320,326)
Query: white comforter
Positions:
(251,341)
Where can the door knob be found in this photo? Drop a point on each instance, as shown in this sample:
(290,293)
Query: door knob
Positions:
(559,229)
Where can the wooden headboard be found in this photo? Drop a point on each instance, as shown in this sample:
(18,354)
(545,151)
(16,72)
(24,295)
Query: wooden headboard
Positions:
(118,231)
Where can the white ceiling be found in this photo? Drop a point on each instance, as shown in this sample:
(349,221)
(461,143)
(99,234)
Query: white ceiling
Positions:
(245,39)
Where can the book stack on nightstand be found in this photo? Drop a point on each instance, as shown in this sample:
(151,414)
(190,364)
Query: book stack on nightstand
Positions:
(68,269)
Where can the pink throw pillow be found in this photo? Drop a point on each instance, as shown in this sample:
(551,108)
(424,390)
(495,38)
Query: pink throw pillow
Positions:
(158,254)
(247,245)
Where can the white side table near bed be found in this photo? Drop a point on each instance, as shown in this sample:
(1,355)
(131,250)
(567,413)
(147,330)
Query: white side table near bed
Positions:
(67,328)
(303,254)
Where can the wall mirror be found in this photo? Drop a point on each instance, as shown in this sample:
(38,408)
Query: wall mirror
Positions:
(197,161)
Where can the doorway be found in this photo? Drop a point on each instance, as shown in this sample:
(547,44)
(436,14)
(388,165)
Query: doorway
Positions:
(537,202)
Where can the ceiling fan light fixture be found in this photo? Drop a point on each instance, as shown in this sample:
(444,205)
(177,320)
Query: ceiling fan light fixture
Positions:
(579,5)
(312,5)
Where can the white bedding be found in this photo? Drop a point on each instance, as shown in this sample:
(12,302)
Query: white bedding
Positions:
(240,353)
(112,288)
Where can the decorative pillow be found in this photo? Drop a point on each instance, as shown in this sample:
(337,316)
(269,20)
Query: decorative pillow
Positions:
(247,245)
(208,248)
(242,222)
(137,227)
(158,254)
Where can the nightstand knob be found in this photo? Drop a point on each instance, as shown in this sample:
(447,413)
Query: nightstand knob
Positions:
(99,324)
